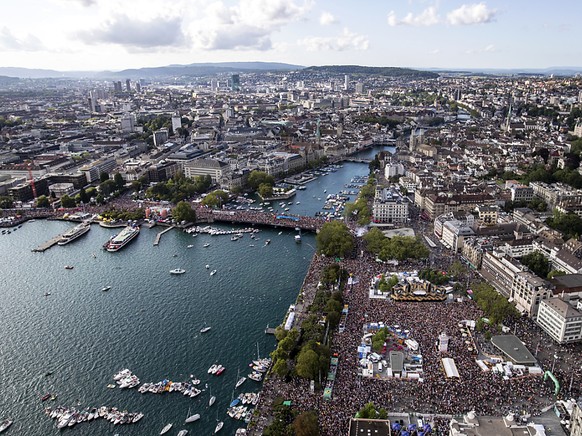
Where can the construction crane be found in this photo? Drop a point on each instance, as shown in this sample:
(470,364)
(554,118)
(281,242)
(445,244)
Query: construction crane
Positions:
(31,178)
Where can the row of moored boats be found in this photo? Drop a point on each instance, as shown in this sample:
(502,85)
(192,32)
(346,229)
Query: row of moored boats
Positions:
(68,417)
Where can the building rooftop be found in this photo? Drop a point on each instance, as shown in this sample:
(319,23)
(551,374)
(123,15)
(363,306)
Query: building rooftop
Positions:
(563,308)
(369,427)
(513,348)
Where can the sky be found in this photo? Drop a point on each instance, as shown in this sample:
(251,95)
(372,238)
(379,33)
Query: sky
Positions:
(91,35)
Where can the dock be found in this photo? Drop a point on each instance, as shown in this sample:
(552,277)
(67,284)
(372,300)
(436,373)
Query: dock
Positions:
(159,235)
(48,244)
(269,330)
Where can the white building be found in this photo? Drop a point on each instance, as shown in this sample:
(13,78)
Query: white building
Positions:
(560,320)
(393,169)
(527,291)
(176,122)
(454,234)
(389,206)
(202,167)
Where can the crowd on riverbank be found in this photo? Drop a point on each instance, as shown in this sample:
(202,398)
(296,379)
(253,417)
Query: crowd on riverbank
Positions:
(483,392)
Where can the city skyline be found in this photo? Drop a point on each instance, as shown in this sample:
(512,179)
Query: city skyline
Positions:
(88,35)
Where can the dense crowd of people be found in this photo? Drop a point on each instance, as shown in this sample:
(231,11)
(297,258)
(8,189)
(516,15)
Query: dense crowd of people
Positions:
(435,395)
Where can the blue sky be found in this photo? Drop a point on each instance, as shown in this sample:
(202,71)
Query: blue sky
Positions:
(119,34)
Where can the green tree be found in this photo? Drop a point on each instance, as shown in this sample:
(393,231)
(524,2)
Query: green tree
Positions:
(334,240)
(280,367)
(307,364)
(107,187)
(456,269)
(83,196)
(538,263)
(6,202)
(67,201)
(305,424)
(119,182)
(184,212)
(256,178)
(42,201)
(265,190)
(103,176)
(368,411)
(215,199)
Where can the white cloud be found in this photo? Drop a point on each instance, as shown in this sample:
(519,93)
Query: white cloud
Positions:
(327,18)
(477,13)
(129,32)
(347,40)
(434,52)
(490,48)
(11,42)
(246,26)
(428,17)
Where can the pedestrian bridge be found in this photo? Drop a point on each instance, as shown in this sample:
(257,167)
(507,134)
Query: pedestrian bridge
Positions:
(257,218)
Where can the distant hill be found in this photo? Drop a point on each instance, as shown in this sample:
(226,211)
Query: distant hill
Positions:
(196,69)
(5,80)
(380,71)
(202,69)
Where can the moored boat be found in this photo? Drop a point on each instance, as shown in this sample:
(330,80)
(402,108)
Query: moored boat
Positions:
(166,429)
(122,239)
(177,271)
(193,418)
(182,432)
(218,427)
(74,233)
(5,424)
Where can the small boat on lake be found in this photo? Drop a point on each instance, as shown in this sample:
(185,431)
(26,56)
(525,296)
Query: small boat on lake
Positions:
(205,329)
(5,424)
(218,427)
(212,272)
(106,288)
(177,271)
(166,429)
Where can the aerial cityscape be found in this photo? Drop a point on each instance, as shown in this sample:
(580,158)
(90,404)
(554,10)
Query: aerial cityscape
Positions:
(358,239)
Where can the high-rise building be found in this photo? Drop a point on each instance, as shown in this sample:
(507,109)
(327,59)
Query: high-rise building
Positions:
(213,85)
(127,123)
(160,136)
(138,87)
(117,87)
(359,88)
(176,122)
(235,82)
(127,85)
(346,82)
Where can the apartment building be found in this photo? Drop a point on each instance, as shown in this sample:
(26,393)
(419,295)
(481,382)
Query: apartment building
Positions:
(560,320)
(390,206)
(527,291)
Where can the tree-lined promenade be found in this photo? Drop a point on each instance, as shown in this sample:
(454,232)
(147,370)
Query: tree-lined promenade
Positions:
(340,251)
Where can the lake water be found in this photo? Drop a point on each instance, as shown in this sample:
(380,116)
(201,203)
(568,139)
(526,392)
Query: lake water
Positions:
(148,322)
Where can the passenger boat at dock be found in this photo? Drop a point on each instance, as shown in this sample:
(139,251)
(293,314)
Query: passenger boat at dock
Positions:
(122,239)
(74,233)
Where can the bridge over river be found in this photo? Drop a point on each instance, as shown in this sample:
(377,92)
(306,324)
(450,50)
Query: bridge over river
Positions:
(260,218)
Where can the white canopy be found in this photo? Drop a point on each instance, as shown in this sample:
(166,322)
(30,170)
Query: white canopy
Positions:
(450,367)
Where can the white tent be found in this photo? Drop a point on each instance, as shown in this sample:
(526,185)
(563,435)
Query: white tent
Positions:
(450,367)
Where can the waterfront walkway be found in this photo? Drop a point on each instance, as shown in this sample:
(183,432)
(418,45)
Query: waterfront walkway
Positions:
(260,218)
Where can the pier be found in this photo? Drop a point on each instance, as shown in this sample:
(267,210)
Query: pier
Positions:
(159,235)
(269,330)
(48,244)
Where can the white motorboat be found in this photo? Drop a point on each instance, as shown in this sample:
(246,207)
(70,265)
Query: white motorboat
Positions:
(206,245)
(207,267)
(218,427)
(212,272)
(106,288)
(193,418)
(212,369)
(166,429)
(5,424)
(205,329)
(240,382)
(190,246)
(177,271)
(182,432)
